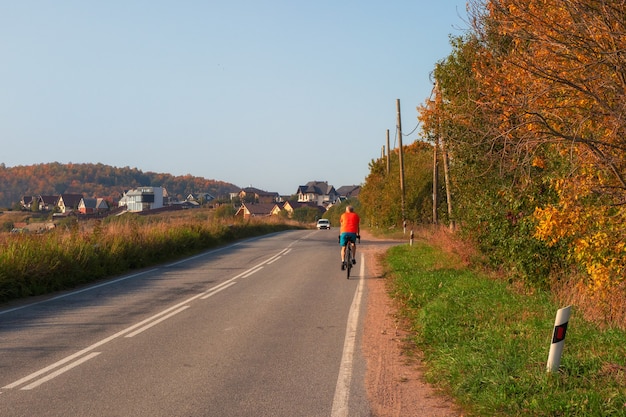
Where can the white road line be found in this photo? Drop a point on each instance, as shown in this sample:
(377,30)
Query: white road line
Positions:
(154,323)
(342,391)
(277,257)
(60,371)
(253,271)
(216,290)
(95,345)
(147,323)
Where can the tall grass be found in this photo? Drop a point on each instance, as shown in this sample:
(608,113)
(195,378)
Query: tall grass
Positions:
(32,264)
(487,345)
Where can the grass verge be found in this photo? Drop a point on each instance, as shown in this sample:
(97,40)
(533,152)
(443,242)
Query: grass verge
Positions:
(487,345)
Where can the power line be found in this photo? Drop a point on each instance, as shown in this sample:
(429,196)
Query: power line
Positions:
(411,132)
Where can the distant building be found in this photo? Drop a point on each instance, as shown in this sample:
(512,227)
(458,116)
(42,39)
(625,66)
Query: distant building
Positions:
(67,203)
(254,195)
(200,198)
(143,199)
(248,210)
(92,205)
(291,206)
(349,191)
(318,192)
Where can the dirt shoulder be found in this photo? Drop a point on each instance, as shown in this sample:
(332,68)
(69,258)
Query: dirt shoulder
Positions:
(394,380)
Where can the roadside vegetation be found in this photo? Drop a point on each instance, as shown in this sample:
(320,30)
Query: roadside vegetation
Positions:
(522,160)
(485,341)
(76,253)
(526,125)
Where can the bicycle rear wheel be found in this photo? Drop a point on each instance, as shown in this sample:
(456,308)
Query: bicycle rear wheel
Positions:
(348,260)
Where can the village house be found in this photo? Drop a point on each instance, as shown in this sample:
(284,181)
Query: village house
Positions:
(254,195)
(92,205)
(290,206)
(318,192)
(67,203)
(248,210)
(349,191)
(200,198)
(42,202)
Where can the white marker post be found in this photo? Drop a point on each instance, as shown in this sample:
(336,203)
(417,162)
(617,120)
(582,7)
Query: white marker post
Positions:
(558,338)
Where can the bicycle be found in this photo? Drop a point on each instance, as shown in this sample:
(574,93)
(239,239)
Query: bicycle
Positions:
(349,258)
(349,255)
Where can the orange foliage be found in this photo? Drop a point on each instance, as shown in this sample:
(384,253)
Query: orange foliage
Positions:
(558,76)
(96,180)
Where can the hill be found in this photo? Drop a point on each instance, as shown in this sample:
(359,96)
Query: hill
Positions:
(97,180)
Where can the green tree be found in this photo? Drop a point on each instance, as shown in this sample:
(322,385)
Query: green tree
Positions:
(381,194)
(224,211)
(305,214)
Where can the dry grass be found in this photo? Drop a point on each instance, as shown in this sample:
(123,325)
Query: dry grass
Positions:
(76,252)
(606,309)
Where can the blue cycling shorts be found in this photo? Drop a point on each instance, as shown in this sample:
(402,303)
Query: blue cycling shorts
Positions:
(345,237)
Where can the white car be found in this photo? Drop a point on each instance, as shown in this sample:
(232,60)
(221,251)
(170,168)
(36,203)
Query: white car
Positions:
(323,224)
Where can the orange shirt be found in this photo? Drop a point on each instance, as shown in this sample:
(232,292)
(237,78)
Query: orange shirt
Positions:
(349,222)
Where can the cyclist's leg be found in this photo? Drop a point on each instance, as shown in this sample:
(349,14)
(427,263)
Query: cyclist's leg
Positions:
(343,241)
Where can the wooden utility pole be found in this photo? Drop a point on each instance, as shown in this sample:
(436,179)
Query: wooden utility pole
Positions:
(446,174)
(435,162)
(444,155)
(399,126)
(435,182)
(388,154)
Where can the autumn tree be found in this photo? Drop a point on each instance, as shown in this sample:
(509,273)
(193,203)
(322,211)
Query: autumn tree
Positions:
(533,105)
(560,88)
(492,190)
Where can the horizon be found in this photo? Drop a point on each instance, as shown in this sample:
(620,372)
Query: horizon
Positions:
(275,91)
(239,187)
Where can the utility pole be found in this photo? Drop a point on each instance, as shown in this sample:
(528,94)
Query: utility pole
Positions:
(388,154)
(444,155)
(399,126)
(446,174)
(435,166)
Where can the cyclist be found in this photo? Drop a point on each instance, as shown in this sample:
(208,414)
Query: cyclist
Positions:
(350,230)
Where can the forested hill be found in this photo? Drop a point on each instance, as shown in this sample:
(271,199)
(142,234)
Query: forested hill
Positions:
(97,180)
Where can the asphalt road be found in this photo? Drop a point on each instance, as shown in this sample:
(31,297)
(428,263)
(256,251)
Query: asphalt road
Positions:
(266,327)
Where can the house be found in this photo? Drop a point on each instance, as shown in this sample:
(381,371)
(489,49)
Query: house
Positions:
(200,198)
(349,191)
(68,202)
(248,210)
(92,205)
(142,199)
(254,195)
(290,206)
(318,192)
(48,202)
(27,202)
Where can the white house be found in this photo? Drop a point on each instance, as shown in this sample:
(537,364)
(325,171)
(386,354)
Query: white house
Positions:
(142,198)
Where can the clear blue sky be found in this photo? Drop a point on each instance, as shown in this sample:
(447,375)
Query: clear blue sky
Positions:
(271,93)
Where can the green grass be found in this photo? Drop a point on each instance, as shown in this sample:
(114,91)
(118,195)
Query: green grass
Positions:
(487,345)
